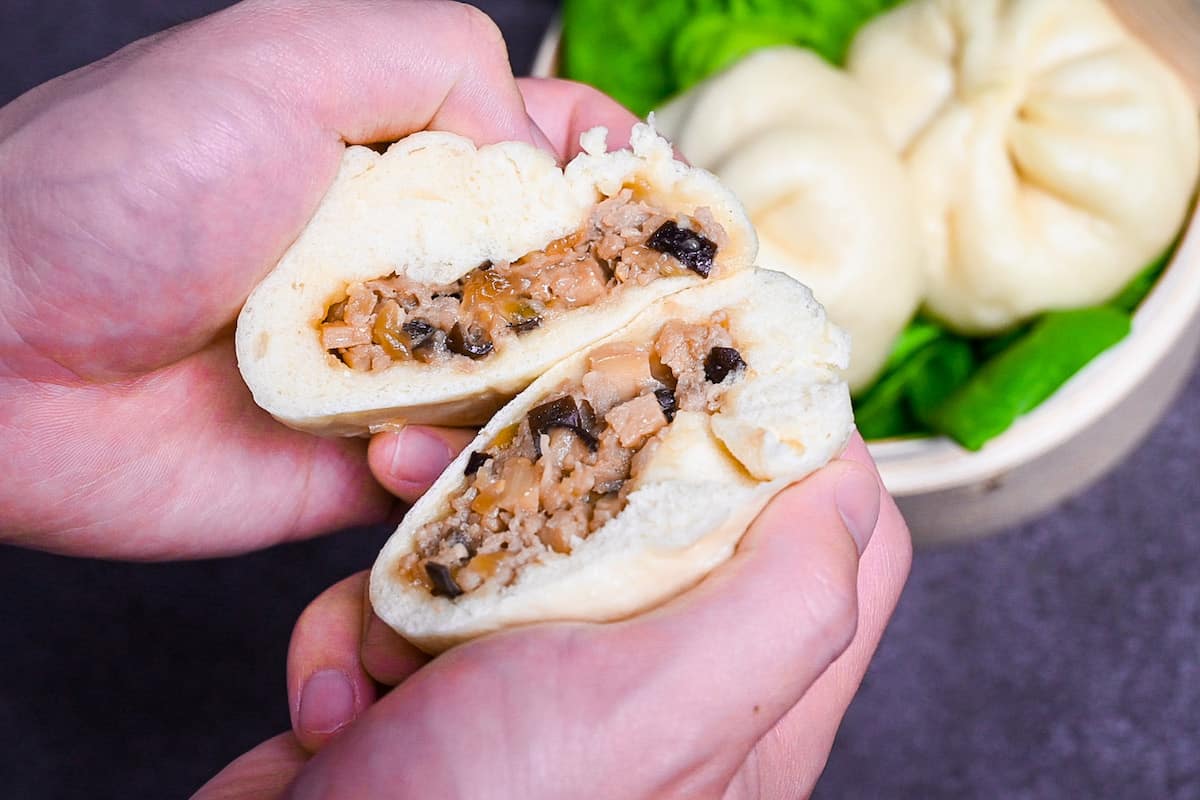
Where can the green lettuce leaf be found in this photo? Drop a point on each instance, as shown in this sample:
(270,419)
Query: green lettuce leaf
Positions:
(931,366)
(623,47)
(642,52)
(1031,369)
(710,42)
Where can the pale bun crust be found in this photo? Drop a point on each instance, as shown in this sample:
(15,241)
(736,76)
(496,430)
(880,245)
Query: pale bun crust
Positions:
(434,207)
(787,416)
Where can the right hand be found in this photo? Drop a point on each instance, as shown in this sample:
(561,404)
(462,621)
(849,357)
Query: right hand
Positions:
(734,689)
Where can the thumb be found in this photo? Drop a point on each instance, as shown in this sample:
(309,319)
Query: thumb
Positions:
(750,640)
(261,774)
(695,683)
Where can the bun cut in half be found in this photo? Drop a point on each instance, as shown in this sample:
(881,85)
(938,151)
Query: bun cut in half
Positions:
(438,279)
(628,471)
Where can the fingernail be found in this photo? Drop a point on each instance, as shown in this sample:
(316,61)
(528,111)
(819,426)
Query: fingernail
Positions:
(326,702)
(857,499)
(419,456)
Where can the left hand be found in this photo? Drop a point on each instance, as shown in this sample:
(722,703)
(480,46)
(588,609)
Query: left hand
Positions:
(141,198)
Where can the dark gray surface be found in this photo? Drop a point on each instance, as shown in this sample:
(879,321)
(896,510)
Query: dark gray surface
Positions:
(1059,659)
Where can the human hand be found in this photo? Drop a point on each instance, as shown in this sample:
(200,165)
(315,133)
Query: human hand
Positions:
(726,691)
(141,198)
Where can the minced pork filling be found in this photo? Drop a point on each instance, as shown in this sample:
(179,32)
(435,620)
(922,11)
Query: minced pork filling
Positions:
(548,482)
(625,242)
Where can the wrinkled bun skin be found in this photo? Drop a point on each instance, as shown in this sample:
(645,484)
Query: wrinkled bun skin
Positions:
(800,144)
(788,415)
(432,208)
(1053,155)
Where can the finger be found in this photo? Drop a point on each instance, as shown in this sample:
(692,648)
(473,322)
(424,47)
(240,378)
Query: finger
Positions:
(756,634)
(184,466)
(264,773)
(408,461)
(564,109)
(339,649)
(263,94)
(327,686)
(791,758)
(386,656)
(209,148)
(736,653)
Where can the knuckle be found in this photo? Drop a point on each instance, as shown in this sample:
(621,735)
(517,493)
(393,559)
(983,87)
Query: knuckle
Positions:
(311,613)
(486,39)
(328,602)
(482,27)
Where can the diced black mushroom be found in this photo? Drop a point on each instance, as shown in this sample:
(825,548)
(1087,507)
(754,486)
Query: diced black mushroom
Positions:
(690,248)
(587,417)
(474,461)
(526,325)
(418,331)
(443,582)
(473,344)
(720,362)
(525,317)
(666,401)
(562,413)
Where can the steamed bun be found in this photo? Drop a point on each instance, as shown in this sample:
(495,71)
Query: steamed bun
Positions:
(799,144)
(1053,155)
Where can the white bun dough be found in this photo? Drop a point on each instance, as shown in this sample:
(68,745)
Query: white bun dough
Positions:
(788,415)
(432,208)
(1053,155)
(800,145)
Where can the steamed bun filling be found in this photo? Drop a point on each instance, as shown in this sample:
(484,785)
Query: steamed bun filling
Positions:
(546,483)
(625,242)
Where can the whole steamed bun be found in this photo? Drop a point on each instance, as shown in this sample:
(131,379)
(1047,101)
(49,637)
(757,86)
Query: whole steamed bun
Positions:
(799,144)
(1053,155)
